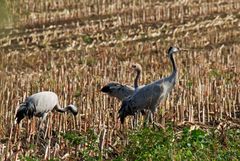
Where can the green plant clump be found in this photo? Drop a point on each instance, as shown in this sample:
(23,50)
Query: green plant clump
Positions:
(87,39)
(186,144)
(88,143)
(171,144)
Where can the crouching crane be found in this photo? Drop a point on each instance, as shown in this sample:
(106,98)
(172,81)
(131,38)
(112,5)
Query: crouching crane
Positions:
(40,104)
(121,92)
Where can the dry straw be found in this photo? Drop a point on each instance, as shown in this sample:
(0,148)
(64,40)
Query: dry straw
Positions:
(84,45)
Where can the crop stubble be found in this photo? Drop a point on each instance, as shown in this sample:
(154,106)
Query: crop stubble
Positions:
(85,45)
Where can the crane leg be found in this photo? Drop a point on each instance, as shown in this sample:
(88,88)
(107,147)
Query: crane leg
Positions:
(147,118)
(155,124)
(151,118)
(135,120)
(40,126)
(42,119)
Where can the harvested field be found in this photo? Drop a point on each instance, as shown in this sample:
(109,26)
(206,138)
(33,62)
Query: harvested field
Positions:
(74,48)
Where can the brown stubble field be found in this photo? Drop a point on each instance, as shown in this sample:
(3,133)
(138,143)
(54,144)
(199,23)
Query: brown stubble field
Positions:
(74,48)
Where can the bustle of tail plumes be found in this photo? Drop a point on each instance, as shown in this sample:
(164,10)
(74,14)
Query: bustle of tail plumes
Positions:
(125,111)
(25,109)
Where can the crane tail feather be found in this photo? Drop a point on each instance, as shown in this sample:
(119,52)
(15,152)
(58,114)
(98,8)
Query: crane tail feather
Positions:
(21,113)
(25,109)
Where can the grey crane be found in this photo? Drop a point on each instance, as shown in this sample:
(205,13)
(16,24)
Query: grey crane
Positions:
(39,104)
(119,91)
(150,96)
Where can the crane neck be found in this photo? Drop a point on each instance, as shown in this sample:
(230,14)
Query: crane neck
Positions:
(137,79)
(173,64)
(67,108)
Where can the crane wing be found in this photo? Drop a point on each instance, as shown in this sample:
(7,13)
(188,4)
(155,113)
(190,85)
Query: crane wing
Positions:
(146,97)
(43,101)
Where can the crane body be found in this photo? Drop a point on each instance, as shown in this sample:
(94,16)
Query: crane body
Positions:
(39,104)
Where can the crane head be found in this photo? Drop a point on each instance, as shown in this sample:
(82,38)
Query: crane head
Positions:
(172,50)
(110,86)
(73,109)
(137,67)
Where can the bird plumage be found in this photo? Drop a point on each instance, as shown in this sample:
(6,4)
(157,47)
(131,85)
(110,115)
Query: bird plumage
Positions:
(121,92)
(25,109)
(40,104)
(149,96)
(117,90)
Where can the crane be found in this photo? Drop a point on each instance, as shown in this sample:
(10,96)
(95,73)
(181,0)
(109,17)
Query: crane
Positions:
(39,104)
(150,96)
(119,91)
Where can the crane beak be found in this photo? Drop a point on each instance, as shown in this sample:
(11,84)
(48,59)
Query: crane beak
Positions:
(105,89)
(183,49)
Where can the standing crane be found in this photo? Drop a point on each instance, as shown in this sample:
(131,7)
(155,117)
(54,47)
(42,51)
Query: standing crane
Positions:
(39,104)
(150,96)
